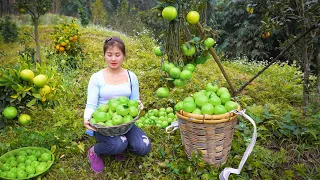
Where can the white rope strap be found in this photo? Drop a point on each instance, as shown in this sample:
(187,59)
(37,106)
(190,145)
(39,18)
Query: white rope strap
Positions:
(224,175)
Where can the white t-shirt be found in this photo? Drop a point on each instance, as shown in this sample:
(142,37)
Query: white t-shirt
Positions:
(99,92)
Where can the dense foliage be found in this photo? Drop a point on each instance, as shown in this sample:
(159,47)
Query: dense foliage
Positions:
(9,30)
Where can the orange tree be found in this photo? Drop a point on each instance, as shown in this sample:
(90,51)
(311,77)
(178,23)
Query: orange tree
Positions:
(67,47)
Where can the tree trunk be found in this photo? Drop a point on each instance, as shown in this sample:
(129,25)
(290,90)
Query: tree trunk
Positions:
(318,75)
(36,34)
(1,8)
(306,63)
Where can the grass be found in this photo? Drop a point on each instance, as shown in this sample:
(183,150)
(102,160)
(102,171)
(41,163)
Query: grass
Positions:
(268,100)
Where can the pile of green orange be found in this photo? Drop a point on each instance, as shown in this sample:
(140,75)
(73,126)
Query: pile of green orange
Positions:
(117,111)
(157,117)
(25,163)
(213,100)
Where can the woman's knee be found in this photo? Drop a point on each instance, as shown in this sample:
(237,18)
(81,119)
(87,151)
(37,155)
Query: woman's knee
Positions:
(112,146)
(140,147)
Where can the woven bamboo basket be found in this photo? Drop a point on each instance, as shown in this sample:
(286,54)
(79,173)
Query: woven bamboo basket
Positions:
(210,134)
(115,130)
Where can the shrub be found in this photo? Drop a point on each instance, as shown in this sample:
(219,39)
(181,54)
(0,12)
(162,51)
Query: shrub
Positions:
(9,30)
(67,45)
(24,94)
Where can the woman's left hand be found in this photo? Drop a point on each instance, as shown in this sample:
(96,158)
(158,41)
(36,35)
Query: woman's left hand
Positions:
(141,105)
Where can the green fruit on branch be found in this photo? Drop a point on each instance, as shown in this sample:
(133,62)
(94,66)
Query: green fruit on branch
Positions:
(27,75)
(193,17)
(40,80)
(209,42)
(45,90)
(164,65)
(189,67)
(157,51)
(168,67)
(24,119)
(169,13)
(10,112)
(188,50)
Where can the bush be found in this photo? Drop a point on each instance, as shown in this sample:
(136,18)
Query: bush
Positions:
(24,94)
(67,45)
(9,30)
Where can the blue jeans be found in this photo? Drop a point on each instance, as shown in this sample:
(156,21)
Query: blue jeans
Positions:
(135,140)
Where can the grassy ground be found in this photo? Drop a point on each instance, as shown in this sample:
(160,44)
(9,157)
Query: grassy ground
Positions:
(269,100)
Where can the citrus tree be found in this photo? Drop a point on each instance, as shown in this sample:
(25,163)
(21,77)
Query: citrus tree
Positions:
(182,46)
(294,19)
(35,8)
(67,46)
(25,87)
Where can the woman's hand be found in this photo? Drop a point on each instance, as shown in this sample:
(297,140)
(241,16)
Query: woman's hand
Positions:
(86,124)
(141,105)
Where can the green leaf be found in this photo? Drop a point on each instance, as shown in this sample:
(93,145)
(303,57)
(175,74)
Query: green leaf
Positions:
(31,103)
(14,96)
(37,95)
(81,146)
(53,148)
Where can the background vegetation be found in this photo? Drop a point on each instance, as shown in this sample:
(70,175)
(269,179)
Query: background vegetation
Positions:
(288,140)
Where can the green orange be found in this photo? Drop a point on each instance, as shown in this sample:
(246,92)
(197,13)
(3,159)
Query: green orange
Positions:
(169,13)
(10,112)
(193,17)
(40,80)
(26,75)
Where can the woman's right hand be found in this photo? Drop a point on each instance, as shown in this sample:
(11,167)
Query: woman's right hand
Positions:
(86,124)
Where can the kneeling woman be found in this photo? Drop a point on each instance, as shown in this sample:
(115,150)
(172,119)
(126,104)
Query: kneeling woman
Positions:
(112,82)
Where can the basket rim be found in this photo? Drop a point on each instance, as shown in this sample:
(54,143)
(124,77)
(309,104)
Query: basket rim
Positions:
(205,118)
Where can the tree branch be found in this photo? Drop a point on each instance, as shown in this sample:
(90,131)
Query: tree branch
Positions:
(30,36)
